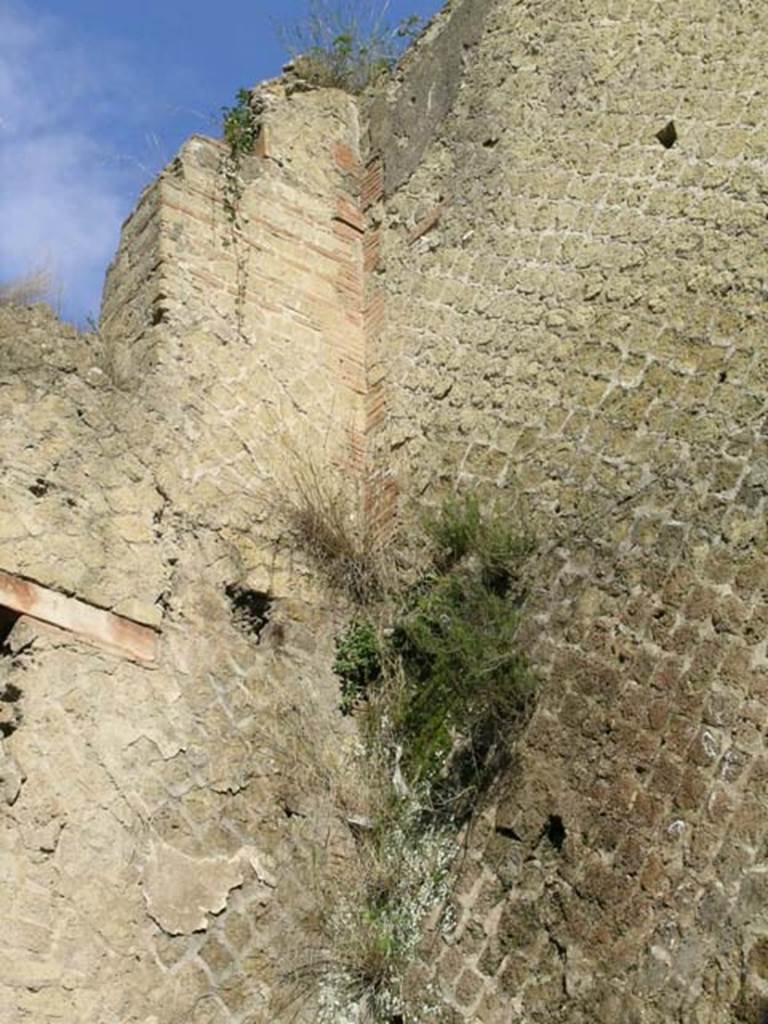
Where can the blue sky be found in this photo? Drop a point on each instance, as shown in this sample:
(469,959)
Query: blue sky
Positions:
(96,96)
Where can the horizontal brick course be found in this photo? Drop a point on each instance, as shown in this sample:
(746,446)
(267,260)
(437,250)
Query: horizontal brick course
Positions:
(83,620)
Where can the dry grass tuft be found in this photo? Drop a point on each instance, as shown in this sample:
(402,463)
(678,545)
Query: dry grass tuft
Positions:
(321,515)
(346,44)
(26,290)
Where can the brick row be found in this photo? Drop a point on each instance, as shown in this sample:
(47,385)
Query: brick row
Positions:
(83,620)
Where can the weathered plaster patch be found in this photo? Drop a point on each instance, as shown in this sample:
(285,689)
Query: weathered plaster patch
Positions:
(180,891)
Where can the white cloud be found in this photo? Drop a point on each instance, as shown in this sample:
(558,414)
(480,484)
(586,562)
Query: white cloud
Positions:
(63,191)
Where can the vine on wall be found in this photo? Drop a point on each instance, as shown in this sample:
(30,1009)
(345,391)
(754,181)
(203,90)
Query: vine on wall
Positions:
(241,130)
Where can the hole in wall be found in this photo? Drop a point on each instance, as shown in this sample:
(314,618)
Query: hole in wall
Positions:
(39,488)
(8,619)
(554,831)
(14,655)
(722,377)
(250,608)
(668,135)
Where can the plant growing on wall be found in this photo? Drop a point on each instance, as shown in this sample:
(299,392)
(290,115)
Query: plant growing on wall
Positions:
(240,130)
(456,683)
(319,513)
(239,126)
(434,671)
(373,924)
(346,45)
(358,662)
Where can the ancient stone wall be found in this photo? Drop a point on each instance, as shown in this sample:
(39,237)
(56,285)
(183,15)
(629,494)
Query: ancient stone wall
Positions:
(161,821)
(575,314)
(249,308)
(498,275)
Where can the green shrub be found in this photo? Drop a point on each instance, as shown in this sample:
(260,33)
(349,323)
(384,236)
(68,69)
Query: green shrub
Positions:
(499,543)
(443,685)
(358,662)
(465,682)
(450,681)
(454,530)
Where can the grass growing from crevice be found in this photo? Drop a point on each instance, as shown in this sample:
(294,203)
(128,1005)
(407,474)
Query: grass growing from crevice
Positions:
(372,925)
(321,517)
(345,44)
